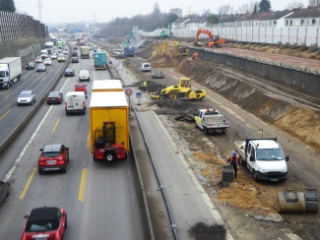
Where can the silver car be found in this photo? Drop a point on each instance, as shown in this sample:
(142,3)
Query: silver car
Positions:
(26,97)
(47,61)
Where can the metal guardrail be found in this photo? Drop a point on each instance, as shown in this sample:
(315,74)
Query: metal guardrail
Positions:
(161,186)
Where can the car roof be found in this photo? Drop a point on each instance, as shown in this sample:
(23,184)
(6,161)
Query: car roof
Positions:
(69,69)
(26,91)
(54,93)
(84,70)
(52,148)
(44,213)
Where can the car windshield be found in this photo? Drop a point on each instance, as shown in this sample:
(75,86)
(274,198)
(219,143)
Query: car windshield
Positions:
(53,94)
(270,154)
(25,94)
(42,225)
(69,70)
(50,154)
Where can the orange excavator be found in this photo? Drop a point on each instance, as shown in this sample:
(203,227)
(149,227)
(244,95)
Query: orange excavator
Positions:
(214,40)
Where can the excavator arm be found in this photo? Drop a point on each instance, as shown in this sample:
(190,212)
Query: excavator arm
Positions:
(214,40)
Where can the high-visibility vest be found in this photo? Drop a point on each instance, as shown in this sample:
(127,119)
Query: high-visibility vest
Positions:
(232,158)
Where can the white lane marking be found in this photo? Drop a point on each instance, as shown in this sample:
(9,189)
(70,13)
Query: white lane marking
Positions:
(17,161)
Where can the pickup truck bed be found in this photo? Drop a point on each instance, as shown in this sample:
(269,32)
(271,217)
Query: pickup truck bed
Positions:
(239,148)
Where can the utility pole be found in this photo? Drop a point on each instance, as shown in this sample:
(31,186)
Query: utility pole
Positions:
(39,4)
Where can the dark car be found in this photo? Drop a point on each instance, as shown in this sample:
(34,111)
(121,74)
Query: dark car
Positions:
(55,97)
(30,66)
(74,60)
(45,223)
(69,72)
(75,48)
(4,190)
(41,68)
(157,74)
(53,157)
(74,54)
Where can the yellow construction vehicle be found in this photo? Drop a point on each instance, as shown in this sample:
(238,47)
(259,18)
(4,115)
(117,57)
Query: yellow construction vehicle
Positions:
(184,51)
(182,90)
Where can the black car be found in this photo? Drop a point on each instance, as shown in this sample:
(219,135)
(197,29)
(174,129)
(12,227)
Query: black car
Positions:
(55,97)
(74,60)
(30,66)
(4,190)
(41,67)
(69,72)
(74,54)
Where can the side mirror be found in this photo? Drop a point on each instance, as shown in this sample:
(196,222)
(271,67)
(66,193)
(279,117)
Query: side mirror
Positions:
(26,216)
(287,158)
(41,149)
(251,159)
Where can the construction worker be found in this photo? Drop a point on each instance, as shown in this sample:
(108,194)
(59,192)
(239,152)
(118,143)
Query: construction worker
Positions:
(195,56)
(234,162)
(144,86)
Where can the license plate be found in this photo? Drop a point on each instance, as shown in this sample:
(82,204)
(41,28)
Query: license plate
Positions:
(274,180)
(53,98)
(51,162)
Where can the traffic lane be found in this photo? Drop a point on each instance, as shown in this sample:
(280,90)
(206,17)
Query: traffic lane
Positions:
(13,114)
(112,209)
(35,194)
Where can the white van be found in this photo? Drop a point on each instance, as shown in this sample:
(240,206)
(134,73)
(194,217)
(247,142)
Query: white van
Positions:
(145,67)
(84,75)
(75,102)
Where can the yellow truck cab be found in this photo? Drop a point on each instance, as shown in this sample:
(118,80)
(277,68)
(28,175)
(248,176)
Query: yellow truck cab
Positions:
(211,121)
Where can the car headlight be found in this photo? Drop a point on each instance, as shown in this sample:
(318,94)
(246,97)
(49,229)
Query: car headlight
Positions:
(261,170)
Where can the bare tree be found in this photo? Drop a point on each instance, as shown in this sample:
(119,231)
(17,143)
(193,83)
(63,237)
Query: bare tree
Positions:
(225,10)
(247,8)
(295,4)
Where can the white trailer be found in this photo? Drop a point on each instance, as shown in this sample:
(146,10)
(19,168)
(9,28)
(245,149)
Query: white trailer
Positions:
(10,71)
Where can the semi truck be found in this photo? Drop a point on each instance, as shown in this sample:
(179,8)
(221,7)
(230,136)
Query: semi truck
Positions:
(49,44)
(109,126)
(211,121)
(100,60)
(129,51)
(84,52)
(108,85)
(10,71)
(264,157)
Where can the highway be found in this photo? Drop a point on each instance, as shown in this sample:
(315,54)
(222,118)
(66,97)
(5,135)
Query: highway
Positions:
(101,199)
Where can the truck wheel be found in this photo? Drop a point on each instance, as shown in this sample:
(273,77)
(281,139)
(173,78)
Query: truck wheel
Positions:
(109,156)
(255,176)
(173,95)
(205,131)
(242,162)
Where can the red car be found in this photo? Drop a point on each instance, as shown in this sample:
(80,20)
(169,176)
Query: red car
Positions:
(47,223)
(80,87)
(53,157)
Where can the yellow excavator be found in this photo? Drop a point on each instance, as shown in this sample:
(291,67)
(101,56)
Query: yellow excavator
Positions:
(182,90)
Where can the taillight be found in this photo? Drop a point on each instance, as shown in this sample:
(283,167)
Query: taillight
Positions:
(57,237)
(65,104)
(83,103)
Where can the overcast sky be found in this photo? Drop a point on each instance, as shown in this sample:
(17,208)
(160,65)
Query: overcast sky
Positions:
(61,11)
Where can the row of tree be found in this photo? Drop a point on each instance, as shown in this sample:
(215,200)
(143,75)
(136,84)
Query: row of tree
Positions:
(7,5)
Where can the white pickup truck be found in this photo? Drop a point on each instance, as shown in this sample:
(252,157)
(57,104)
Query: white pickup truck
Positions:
(211,121)
(264,157)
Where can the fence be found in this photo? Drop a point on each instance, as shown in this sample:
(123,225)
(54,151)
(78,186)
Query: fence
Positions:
(292,35)
(15,26)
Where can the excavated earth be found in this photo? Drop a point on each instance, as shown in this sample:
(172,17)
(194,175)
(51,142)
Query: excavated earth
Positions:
(249,207)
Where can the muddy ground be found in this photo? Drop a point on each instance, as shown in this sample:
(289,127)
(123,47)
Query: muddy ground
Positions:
(291,110)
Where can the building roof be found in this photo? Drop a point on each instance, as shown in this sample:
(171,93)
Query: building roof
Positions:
(276,15)
(230,18)
(309,12)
